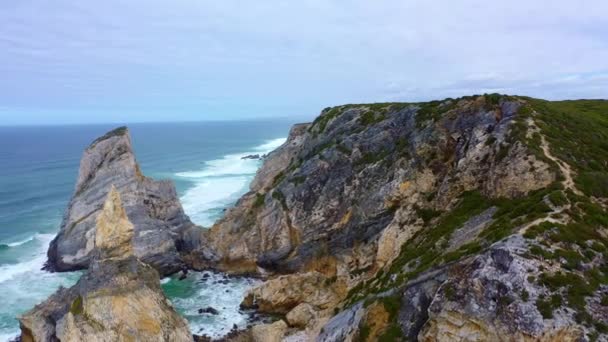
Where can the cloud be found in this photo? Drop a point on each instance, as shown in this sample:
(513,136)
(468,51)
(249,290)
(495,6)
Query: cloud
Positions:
(197,59)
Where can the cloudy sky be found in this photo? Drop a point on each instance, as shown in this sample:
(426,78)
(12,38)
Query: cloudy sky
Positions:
(68,61)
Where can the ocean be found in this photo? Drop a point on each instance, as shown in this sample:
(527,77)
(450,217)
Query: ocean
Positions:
(38,170)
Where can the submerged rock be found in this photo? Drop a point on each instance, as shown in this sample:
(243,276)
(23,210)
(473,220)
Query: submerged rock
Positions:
(119,298)
(159,222)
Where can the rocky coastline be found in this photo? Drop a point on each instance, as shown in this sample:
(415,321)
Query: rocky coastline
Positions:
(454,220)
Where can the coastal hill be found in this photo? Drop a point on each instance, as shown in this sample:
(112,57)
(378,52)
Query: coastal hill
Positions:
(473,219)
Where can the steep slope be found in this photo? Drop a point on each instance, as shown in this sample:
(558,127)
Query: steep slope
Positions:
(118,299)
(152,206)
(361,177)
(462,219)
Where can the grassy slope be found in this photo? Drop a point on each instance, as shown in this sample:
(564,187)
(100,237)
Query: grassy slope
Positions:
(577,132)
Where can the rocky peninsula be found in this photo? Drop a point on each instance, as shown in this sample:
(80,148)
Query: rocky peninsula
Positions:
(482,218)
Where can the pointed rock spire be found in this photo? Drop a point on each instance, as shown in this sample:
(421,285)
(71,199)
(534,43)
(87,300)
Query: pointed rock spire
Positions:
(114,231)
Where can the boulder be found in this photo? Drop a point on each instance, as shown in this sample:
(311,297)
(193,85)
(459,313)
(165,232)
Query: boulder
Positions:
(301,316)
(282,294)
(269,332)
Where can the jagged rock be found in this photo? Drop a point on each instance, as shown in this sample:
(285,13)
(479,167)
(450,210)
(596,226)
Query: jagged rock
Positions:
(160,224)
(301,315)
(336,186)
(269,332)
(481,301)
(208,310)
(114,233)
(282,294)
(118,299)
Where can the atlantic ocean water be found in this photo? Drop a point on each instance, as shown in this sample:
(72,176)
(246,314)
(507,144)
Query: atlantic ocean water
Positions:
(38,170)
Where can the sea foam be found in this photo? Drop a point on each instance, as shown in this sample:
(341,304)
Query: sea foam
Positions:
(221,182)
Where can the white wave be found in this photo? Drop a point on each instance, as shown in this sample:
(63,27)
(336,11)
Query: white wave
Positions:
(38,236)
(34,262)
(24,284)
(6,337)
(210,289)
(270,145)
(221,182)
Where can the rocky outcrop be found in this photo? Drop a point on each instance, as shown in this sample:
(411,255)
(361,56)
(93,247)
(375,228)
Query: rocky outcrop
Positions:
(152,206)
(482,301)
(351,186)
(118,298)
(281,294)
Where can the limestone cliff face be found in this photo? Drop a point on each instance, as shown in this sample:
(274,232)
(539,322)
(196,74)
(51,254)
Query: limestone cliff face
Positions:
(346,191)
(118,299)
(152,206)
(454,220)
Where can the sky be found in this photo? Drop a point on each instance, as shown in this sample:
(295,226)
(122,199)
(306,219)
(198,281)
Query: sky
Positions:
(69,61)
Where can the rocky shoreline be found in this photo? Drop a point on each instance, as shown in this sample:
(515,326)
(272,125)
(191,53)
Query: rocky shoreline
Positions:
(449,220)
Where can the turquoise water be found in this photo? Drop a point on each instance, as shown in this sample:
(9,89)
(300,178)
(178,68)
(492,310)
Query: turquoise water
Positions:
(38,169)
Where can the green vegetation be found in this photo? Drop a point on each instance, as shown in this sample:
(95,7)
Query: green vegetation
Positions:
(343,149)
(545,308)
(604,300)
(369,117)
(278,178)
(77,307)
(113,133)
(297,180)
(392,334)
(426,214)
(558,198)
(577,132)
(371,158)
(278,195)
(391,304)
(524,295)
(259,200)
(326,116)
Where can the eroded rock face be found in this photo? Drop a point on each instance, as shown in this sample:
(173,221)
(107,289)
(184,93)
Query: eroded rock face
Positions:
(340,183)
(152,206)
(282,294)
(118,299)
(482,301)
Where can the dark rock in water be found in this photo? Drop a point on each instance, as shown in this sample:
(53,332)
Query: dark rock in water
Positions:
(208,310)
(251,156)
(152,206)
(183,276)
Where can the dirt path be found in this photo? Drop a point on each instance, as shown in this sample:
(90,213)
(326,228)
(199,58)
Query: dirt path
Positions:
(568,181)
(563,166)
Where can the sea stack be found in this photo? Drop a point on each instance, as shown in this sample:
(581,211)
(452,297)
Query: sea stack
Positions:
(118,299)
(152,206)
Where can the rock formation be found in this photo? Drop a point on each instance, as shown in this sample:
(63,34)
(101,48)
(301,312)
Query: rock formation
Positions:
(336,184)
(474,219)
(118,298)
(152,206)
(465,219)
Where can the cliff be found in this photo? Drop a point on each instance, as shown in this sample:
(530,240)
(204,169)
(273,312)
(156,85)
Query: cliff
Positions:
(482,218)
(153,207)
(479,218)
(118,299)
